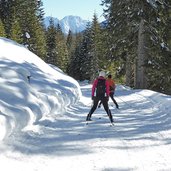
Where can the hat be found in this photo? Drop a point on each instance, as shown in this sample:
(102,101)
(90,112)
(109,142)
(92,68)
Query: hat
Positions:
(102,73)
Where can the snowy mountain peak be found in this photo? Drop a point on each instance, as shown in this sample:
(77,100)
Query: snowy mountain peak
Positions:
(72,17)
(74,23)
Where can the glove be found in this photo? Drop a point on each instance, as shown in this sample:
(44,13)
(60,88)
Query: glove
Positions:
(92,97)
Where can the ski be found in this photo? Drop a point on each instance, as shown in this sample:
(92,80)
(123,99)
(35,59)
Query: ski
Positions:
(91,122)
(112,124)
(88,122)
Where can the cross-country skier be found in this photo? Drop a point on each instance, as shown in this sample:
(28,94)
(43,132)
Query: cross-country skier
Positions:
(100,92)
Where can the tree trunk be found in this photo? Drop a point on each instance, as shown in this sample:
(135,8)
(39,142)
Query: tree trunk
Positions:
(140,75)
(128,71)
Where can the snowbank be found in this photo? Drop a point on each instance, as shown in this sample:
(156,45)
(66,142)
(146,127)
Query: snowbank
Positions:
(30,89)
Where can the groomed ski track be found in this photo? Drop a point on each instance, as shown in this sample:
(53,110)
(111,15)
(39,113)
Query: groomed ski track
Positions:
(139,140)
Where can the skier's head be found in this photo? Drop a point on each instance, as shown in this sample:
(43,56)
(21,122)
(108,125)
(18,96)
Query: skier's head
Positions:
(109,76)
(102,73)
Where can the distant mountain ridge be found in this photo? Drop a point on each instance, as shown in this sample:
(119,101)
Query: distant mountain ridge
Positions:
(74,23)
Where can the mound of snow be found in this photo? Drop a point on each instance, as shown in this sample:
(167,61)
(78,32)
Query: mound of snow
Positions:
(30,89)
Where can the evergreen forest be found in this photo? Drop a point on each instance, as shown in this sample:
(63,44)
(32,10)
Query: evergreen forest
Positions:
(133,43)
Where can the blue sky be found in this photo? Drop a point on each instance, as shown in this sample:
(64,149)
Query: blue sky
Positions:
(83,8)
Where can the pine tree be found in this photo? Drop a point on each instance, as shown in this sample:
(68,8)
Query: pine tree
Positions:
(74,64)
(40,12)
(6,15)
(69,40)
(33,32)
(51,52)
(61,48)
(85,55)
(16,33)
(120,37)
(2,30)
(70,43)
(159,62)
(96,48)
(27,16)
(77,64)
(88,58)
(135,32)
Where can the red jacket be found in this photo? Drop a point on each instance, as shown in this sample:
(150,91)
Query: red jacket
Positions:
(95,84)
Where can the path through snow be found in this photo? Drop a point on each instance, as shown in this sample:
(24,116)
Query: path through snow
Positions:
(139,141)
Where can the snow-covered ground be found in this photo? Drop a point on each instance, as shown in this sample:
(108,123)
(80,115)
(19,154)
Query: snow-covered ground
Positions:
(42,121)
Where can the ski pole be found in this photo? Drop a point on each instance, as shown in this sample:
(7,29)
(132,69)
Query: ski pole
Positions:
(123,101)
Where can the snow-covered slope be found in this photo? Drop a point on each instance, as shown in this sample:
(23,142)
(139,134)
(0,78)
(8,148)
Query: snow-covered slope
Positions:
(30,89)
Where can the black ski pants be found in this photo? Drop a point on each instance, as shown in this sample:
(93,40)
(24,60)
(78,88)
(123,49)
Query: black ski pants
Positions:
(112,97)
(104,101)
